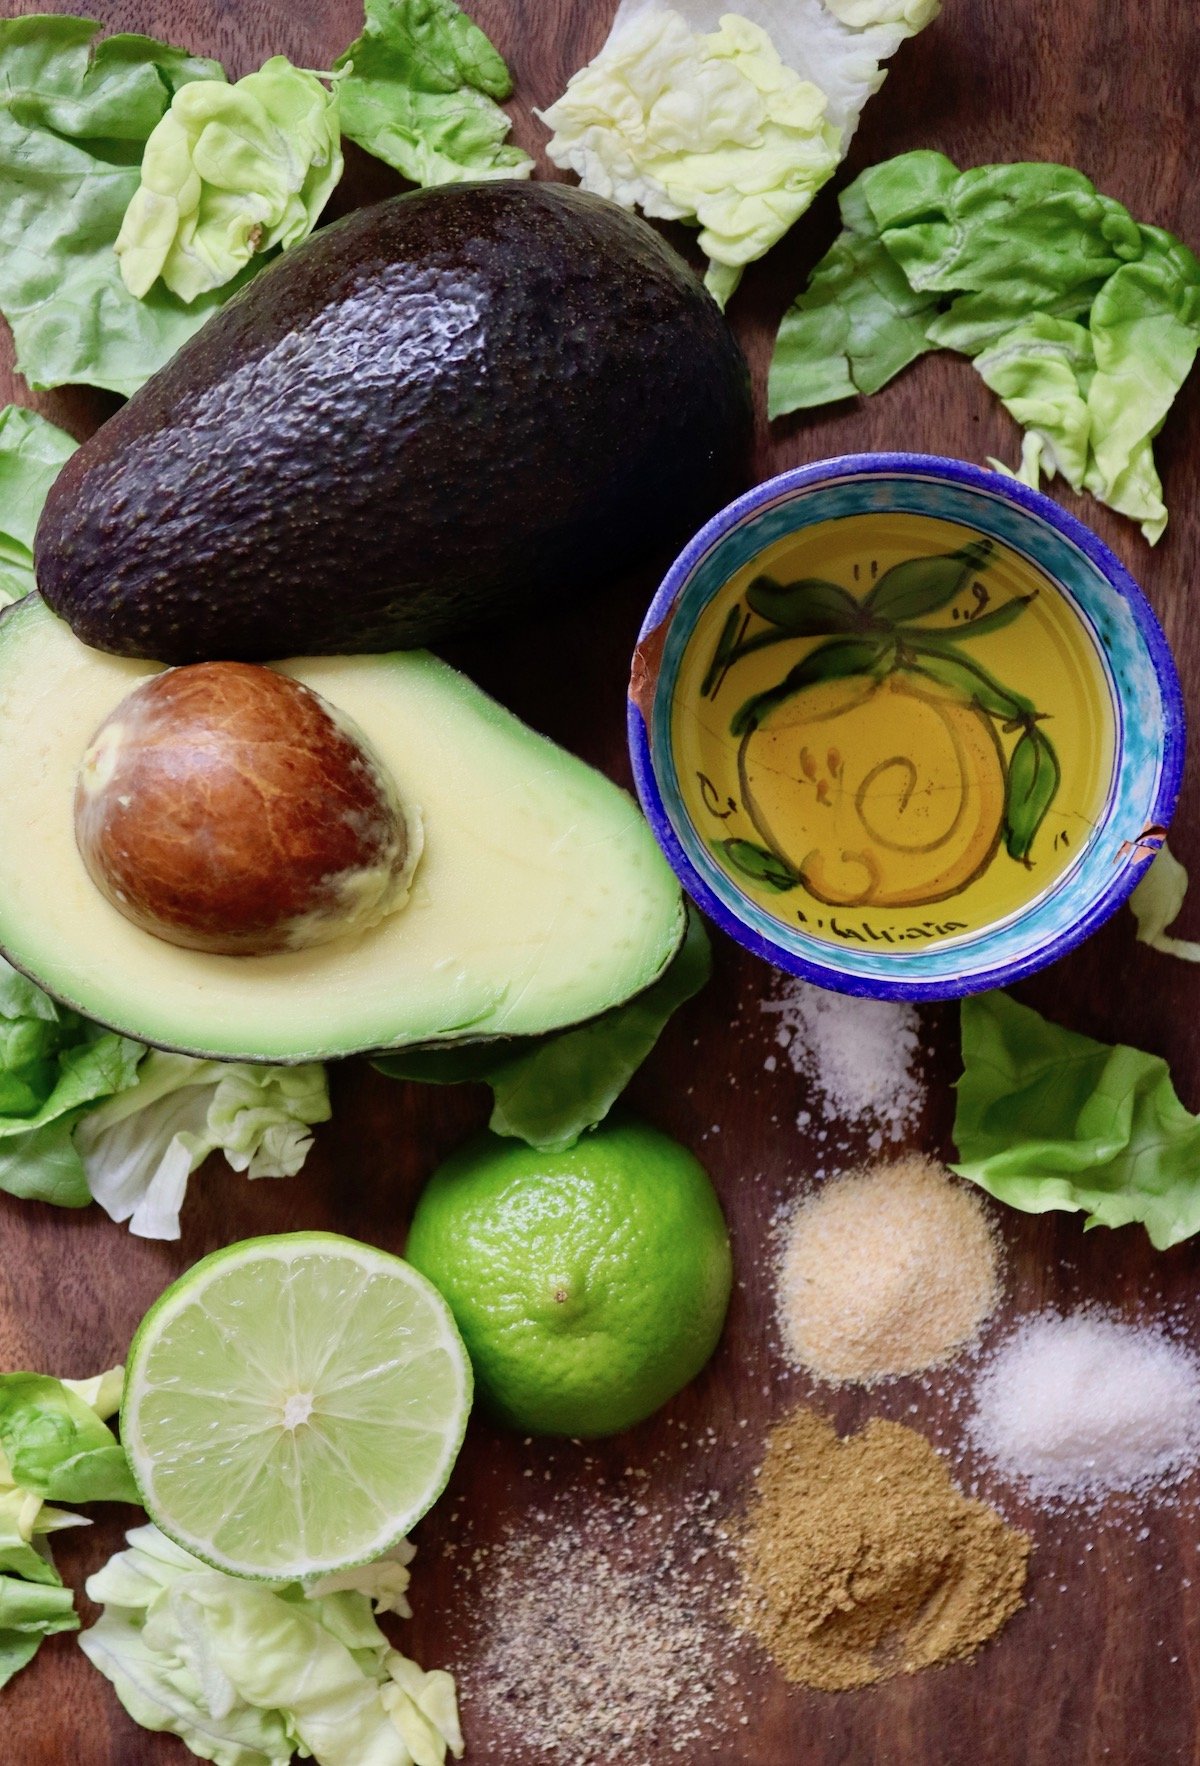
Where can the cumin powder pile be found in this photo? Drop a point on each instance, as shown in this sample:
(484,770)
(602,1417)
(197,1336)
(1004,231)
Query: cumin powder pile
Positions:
(861,1559)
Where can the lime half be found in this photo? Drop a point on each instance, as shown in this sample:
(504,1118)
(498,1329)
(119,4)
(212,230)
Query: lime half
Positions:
(294,1404)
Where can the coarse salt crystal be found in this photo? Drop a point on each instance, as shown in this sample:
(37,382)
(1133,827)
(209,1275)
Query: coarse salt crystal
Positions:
(1079,1405)
(862,1054)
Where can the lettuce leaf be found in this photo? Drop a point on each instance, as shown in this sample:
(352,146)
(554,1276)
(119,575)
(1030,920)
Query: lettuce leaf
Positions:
(838,45)
(30,1611)
(712,129)
(75,114)
(247,1673)
(140,1148)
(53,1442)
(1049,1119)
(549,1090)
(856,325)
(1084,322)
(53,1067)
(1157,903)
(32,454)
(1042,370)
(229,174)
(420,91)
(56,1446)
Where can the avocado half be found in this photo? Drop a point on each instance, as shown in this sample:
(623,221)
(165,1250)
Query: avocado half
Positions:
(541,898)
(420,420)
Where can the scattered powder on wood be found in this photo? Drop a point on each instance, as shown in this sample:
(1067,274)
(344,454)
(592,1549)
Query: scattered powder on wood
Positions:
(860,1558)
(862,1055)
(603,1637)
(886,1271)
(1079,1405)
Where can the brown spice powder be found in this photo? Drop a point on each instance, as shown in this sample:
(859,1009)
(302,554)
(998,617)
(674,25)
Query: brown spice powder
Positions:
(861,1559)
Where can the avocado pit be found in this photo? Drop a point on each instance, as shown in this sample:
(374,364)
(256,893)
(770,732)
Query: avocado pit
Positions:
(230,809)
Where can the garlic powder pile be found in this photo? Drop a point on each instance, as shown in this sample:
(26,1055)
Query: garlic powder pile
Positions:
(885,1271)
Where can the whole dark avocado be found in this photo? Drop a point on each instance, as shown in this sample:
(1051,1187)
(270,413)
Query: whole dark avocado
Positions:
(427,415)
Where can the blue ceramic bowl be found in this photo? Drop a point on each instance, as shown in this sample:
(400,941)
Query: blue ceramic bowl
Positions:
(1135,664)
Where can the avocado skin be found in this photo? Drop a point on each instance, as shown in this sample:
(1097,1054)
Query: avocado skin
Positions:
(426,416)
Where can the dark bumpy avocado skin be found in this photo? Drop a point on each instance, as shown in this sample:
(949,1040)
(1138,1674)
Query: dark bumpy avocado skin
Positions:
(430,412)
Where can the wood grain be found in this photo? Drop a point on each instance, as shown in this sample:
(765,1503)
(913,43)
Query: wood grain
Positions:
(1102,1665)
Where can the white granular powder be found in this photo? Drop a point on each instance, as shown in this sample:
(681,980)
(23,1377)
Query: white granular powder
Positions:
(1077,1406)
(885,1271)
(861,1054)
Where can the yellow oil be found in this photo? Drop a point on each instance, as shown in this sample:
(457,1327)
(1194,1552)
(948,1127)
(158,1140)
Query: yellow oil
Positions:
(926,784)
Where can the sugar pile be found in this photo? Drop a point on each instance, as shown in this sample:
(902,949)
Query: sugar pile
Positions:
(1075,1407)
(862,1055)
(886,1271)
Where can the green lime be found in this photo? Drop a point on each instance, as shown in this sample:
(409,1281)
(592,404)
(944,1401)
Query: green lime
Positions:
(294,1404)
(589,1285)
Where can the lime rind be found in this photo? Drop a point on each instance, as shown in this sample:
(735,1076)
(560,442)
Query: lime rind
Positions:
(214,1466)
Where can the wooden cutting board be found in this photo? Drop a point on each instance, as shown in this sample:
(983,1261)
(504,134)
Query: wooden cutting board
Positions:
(1102,1664)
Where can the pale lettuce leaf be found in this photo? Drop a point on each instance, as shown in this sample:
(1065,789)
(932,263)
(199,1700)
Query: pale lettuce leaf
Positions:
(1049,1119)
(384,1582)
(230,173)
(75,113)
(1042,370)
(32,454)
(420,91)
(1145,329)
(140,1148)
(711,128)
(839,45)
(1157,903)
(247,1673)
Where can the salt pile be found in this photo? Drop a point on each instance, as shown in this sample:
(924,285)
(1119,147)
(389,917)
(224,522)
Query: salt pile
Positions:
(861,1054)
(1079,1406)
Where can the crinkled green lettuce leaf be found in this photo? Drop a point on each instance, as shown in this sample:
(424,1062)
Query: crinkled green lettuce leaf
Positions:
(420,90)
(30,1611)
(1050,1119)
(1157,903)
(140,1148)
(53,1067)
(32,454)
(549,1090)
(248,1673)
(57,1446)
(856,325)
(75,114)
(230,173)
(1084,322)
(53,1443)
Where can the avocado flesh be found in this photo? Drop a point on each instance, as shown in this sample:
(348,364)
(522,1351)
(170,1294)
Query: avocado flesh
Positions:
(418,421)
(540,900)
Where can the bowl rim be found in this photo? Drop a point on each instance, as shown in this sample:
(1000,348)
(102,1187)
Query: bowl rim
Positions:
(1033,503)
